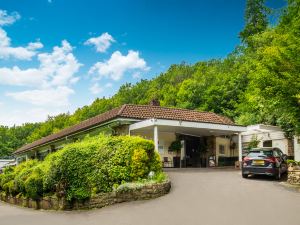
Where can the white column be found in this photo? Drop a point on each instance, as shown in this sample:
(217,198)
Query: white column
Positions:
(240,147)
(182,152)
(155,138)
(296,149)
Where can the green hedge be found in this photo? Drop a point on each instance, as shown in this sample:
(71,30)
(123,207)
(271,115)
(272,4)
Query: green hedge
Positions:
(79,170)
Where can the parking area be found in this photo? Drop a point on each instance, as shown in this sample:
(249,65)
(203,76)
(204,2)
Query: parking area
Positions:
(198,196)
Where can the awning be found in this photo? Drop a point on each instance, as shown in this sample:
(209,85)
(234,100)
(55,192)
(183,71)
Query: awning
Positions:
(186,127)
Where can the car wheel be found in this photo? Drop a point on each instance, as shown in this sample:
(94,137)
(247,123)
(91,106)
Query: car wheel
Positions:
(245,175)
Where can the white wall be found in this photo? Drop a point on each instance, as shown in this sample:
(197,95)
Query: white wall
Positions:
(266,133)
(228,152)
(4,162)
(297,148)
(281,144)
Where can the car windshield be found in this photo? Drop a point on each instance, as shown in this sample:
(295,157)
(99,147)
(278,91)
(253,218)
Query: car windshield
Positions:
(260,153)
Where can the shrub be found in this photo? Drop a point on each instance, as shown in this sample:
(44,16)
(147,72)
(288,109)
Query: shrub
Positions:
(6,177)
(34,183)
(139,164)
(175,146)
(160,177)
(21,173)
(81,169)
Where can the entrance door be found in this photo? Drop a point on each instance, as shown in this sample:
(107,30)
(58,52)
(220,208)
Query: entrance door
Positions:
(193,152)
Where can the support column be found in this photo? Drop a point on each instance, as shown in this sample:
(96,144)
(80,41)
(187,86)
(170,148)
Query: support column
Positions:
(155,138)
(240,147)
(182,153)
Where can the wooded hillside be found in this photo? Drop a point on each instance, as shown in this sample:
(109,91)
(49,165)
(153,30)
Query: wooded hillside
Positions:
(259,82)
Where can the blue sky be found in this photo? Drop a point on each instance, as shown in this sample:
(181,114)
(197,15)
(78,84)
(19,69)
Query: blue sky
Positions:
(58,55)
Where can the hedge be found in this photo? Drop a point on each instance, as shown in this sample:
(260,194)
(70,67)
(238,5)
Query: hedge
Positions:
(79,170)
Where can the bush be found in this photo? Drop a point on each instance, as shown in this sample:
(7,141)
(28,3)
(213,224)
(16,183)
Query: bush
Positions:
(34,183)
(293,162)
(175,146)
(81,169)
(5,178)
(21,173)
(139,164)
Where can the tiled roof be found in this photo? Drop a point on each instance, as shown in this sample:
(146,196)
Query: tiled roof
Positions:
(139,112)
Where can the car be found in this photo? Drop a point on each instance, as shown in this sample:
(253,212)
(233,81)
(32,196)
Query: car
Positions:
(264,161)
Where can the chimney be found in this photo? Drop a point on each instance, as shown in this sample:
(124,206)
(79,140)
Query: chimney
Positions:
(154,102)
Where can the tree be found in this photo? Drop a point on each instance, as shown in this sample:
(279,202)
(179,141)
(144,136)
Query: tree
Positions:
(259,82)
(256,20)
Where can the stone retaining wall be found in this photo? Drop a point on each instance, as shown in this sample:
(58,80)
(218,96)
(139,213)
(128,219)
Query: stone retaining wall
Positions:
(124,194)
(293,176)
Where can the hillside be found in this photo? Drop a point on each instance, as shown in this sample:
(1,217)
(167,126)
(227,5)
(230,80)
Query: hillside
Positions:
(259,82)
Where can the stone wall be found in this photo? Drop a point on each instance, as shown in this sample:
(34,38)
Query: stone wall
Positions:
(124,194)
(293,176)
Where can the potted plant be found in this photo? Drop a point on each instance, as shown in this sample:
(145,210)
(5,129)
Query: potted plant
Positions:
(175,146)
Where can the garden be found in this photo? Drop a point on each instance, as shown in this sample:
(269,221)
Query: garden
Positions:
(293,173)
(84,170)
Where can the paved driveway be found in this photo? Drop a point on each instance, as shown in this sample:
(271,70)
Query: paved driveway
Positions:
(200,197)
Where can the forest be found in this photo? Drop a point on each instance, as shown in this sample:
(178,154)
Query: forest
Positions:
(258,82)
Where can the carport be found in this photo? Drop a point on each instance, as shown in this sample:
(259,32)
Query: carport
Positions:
(163,132)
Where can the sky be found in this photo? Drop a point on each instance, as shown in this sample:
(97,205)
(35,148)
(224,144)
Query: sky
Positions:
(58,55)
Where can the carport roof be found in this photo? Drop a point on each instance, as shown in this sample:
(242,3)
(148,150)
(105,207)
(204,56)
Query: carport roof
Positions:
(130,111)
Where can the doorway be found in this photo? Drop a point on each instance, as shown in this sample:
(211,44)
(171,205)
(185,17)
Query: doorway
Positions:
(195,151)
(192,152)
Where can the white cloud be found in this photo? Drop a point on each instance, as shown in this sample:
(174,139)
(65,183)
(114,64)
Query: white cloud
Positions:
(6,50)
(118,64)
(102,43)
(55,97)
(57,68)
(10,117)
(60,66)
(17,77)
(51,81)
(47,86)
(8,19)
(96,89)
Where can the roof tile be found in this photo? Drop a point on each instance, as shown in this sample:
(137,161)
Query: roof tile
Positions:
(134,112)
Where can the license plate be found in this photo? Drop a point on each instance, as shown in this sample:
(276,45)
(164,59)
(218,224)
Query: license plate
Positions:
(258,162)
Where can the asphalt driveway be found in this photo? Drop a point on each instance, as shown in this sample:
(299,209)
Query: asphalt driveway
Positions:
(198,196)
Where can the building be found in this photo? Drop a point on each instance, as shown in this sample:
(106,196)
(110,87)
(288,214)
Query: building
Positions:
(6,162)
(205,138)
(271,136)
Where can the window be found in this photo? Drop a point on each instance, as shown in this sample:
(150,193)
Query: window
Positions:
(275,153)
(260,153)
(161,149)
(267,143)
(279,153)
(222,149)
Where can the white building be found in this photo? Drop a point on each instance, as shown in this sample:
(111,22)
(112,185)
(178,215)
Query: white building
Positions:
(6,162)
(272,136)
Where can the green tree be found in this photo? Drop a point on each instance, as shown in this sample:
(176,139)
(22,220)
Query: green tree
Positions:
(256,20)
